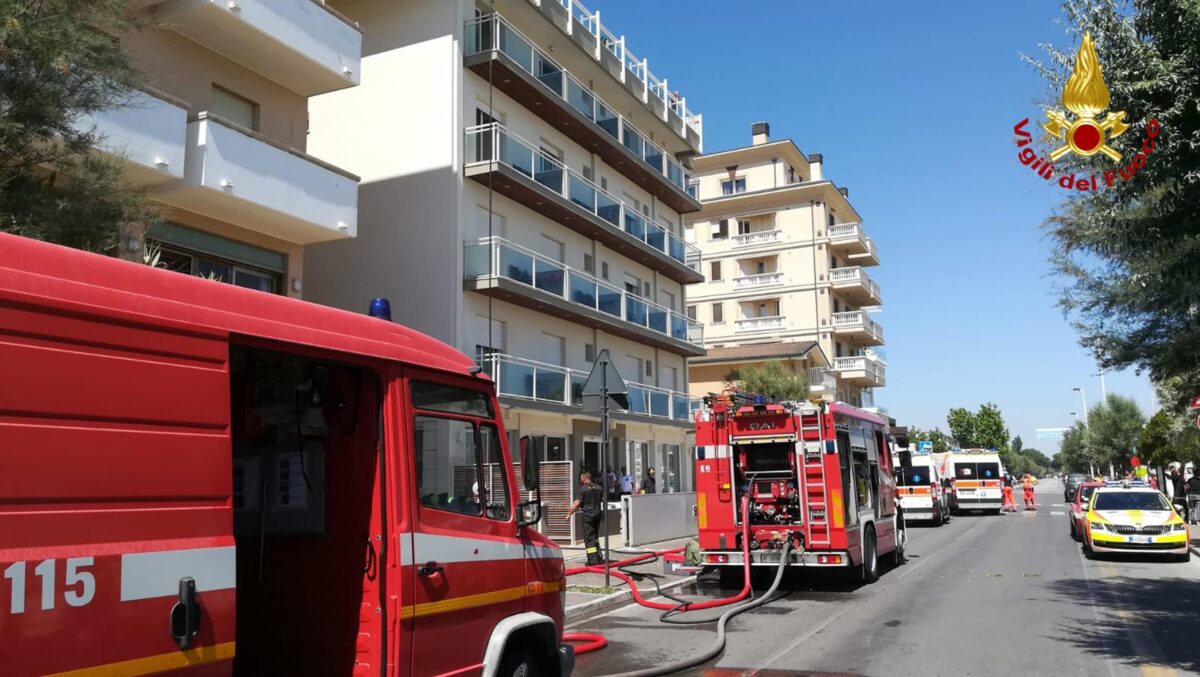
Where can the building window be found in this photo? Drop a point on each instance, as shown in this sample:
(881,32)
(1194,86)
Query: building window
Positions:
(691,313)
(193,252)
(234,108)
(604,269)
(832,218)
(791,174)
(589,264)
(649,370)
(720,230)
(715,274)
(589,353)
(743,226)
(718,313)
(731,186)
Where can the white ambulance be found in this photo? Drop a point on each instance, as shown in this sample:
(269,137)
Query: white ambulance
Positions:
(978,479)
(920,489)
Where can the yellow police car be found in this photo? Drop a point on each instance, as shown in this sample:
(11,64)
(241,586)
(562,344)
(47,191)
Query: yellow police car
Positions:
(1126,518)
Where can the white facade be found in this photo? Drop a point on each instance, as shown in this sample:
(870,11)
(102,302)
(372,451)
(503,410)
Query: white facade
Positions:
(491,225)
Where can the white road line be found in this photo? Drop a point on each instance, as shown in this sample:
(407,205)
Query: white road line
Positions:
(1057,512)
(1095,611)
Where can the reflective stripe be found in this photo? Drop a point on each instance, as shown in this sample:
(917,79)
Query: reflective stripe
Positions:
(478,600)
(450,549)
(159,663)
(720,451)
(145,575)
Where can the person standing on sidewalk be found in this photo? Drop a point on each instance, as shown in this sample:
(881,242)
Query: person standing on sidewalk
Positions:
(589,504)
(1192,486)
(610,484)
(1027,483)
(626,482)
(650,484)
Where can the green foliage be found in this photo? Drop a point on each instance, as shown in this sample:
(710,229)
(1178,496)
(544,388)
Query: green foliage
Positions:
(1038,458)
(1114,427)
(984,429)
(1017,444)
(59,62)
(1129,255)
(771,379)
(941,441)
(1073,450)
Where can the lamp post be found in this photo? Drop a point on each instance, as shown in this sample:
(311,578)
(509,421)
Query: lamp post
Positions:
(1083,398)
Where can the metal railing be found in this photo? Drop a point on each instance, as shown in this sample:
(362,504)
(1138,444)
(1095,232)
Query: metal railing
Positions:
(854,274)
(757,237)
(759,323)
(496,257)
(822,380)
(541,382)
(492,33)
(756,281)
(652,86)
(494,143)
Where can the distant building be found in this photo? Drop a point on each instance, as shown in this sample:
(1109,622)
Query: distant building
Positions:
(785,260)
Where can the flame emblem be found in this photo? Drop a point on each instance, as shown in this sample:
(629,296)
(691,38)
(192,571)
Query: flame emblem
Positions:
(1086,96)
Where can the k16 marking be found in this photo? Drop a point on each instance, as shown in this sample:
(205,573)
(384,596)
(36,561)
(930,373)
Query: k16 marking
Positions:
(80,584)
(705,467)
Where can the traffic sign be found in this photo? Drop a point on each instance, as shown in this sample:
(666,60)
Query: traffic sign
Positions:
(1195,402)
(1135,461)
(604,381)
(1198,421)
(925,447)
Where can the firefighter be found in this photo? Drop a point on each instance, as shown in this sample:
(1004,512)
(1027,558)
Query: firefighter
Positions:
(589,504)
(1027,483)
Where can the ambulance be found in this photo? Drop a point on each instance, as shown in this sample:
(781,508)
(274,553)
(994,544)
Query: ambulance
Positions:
(977,478)
(202,479)
(919,487)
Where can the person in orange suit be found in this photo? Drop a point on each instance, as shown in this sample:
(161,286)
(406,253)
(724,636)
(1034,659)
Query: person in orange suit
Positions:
(1027,483)
(1010,503)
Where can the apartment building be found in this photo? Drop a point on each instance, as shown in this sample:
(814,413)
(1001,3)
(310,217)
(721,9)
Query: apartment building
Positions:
(523,194)
(218,136)
(785,259)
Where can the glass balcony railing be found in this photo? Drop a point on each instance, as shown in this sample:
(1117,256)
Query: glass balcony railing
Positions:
(496,257)
(541,382)
(493,33)
(494,143)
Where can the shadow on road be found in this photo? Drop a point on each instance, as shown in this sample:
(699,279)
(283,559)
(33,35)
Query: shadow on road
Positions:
(1166,609)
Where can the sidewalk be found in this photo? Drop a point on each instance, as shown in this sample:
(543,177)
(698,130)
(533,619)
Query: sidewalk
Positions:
(586,594)
(1194,544)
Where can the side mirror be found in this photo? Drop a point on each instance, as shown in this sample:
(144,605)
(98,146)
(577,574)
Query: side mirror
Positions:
(531,462)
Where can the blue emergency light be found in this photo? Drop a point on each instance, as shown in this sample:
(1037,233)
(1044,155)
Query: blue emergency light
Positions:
(381,308)
(760,401)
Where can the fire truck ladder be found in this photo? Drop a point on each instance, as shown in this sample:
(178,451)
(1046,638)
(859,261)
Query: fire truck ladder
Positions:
(816,492)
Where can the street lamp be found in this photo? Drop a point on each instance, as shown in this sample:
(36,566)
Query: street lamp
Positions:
(1083,398)
(1076,415)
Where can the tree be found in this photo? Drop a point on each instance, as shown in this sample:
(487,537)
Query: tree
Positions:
(1036,457)
(1017,444)
(1129,255)
(1073,450)
(962,427)
(1114,427)
(770,379)
(990,431)
(940,440)
(59,62)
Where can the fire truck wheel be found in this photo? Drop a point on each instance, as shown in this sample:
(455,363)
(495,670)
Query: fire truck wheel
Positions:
(517,662)
(869,569)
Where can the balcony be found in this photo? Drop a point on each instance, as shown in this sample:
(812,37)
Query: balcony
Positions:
(862,370)
(752,324)
(758,281)
(301,44)
(532,381)
(515,168)
(851,241)
(150,132)
(822,382)
(855,285)
(238,176)
(757,238)
(497,50)
(510,272)
(857,327)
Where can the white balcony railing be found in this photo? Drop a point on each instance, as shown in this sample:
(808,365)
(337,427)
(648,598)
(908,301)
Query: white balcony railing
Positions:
(496,257)
(847,232)
(492,33)
(494,143)
(854,274)
(757,238)
(149,131)
(855,319)
(238,176)
(758,281)
(875,370)
(653,88)
(540,382)
(301,44)
(759,323)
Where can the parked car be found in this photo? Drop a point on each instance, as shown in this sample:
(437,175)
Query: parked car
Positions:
(1071,484)
(1079,506)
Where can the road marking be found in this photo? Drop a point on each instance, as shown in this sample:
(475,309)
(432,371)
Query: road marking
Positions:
(1058,505)
(1057,512)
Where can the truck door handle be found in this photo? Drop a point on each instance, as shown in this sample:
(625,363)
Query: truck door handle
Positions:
(429,569)
(185,615)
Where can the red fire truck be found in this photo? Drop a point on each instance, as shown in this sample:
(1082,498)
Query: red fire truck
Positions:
(205,479)
(817,474)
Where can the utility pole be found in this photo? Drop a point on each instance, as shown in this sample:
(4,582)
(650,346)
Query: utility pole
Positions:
(1103,391)
(1086,430)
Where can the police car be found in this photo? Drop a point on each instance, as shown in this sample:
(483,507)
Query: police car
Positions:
(1133,518)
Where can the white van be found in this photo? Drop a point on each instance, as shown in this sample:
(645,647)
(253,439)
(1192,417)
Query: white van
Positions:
(920,489)
(978,478)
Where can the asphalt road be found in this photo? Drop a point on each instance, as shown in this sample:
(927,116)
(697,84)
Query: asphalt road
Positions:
(983,595)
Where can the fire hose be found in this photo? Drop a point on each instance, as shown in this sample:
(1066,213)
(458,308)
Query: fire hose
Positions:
(594,641)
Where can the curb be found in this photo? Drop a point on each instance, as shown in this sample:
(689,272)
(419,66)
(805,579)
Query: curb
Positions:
(616,599)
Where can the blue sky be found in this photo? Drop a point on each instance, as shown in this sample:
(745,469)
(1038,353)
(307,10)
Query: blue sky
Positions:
(912,106)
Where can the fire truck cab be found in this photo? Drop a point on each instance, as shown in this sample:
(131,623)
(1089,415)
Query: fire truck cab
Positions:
(817,474)
(202,479)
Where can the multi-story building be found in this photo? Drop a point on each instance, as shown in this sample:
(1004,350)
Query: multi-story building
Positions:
(785,259)
(524,183)
(218,137)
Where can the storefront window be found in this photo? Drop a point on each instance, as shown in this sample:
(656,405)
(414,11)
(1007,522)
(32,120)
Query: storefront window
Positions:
(194,252)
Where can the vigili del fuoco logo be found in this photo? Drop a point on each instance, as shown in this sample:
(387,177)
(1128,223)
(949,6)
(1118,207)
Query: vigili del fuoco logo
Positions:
(1082,130)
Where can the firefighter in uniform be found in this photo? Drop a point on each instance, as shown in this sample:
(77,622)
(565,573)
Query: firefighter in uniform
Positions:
(589,504)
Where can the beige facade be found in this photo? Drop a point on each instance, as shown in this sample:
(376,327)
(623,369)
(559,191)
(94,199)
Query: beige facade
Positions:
(219,134)
(786,261)
(523,199)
